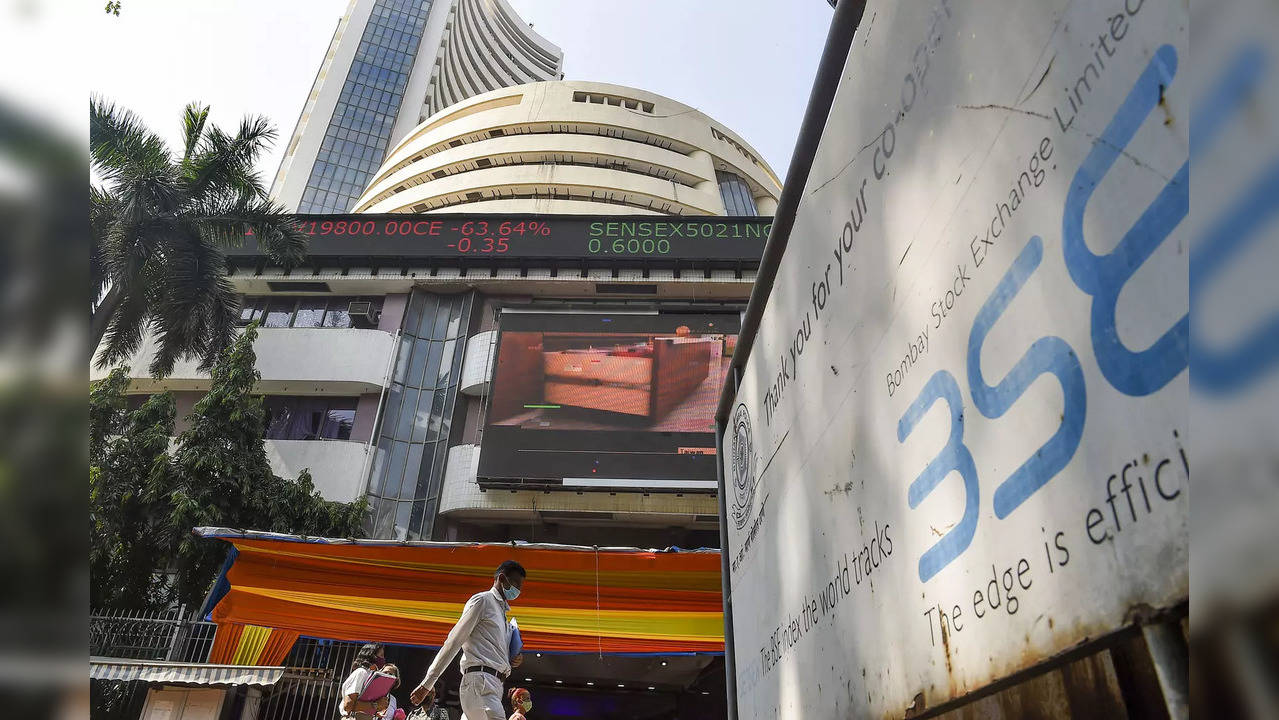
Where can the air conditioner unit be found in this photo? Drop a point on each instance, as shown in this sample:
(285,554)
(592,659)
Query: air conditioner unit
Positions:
(363,314)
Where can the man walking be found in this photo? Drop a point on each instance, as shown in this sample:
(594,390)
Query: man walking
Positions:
(483,636)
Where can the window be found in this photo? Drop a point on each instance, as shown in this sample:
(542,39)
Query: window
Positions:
(135,402)
(250,310)
(413,438)
(614,100)
(279,312)
(296,286)
(307,311)
(736,194)
(336,315)
(310,312)
(368,103)
(309,418)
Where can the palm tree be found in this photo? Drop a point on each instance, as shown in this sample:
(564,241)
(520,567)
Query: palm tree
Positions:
(160,224)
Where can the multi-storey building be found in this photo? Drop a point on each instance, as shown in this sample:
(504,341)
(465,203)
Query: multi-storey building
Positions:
(521,334)
(392,368)
(390,64)
(572,147)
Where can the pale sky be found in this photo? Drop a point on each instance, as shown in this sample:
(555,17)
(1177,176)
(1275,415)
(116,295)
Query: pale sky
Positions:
(747,63)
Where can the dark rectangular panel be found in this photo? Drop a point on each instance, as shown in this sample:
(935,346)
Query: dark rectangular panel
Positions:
(619,238)
(582,398)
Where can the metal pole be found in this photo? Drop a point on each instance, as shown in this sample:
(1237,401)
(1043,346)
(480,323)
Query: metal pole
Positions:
(843,25)
(1171,659)
(839,41)
(177,630)
(726,583)
(252,700)
(381,400)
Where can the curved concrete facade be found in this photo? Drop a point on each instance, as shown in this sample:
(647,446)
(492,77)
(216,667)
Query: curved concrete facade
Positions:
(294,361)
(571,147)
(486,46)
(336,466)
(477,365)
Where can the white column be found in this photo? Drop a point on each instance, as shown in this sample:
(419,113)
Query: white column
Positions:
(252,701)
(707,169)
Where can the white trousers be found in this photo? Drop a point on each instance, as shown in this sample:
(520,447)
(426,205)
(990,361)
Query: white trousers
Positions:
(481,697)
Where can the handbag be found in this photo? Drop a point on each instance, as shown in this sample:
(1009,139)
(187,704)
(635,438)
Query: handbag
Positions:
(361,715)
(435,712)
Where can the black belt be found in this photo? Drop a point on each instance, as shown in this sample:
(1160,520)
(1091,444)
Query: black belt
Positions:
(485,669)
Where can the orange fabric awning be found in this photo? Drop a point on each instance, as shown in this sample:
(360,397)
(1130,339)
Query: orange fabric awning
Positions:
(575,599)
(237,644)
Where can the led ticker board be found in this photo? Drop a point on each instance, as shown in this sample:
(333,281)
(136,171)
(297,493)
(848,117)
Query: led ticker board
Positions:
(533,237)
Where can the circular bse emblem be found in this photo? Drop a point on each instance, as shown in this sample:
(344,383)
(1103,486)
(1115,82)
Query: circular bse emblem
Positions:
(743,467)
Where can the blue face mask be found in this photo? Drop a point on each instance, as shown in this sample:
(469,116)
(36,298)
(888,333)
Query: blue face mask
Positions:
(510,593)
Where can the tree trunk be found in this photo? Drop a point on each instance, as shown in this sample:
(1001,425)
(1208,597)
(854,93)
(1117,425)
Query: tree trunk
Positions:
(101,317)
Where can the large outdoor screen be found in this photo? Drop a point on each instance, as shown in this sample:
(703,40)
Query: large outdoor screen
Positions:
(607,401)
(607,239)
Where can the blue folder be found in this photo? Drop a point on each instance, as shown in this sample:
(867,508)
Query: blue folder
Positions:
(517,645)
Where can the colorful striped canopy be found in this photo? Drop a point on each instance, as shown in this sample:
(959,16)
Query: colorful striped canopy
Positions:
(240,644)
(576,599)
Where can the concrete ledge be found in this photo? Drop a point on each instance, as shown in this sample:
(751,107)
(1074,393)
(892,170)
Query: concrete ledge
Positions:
(461,497)
(294,361)
(337,466)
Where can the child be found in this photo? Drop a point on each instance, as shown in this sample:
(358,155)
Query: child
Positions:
(370,659)
(387,711)
(521,703)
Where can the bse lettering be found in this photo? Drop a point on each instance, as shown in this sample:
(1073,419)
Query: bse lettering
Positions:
(1102,277)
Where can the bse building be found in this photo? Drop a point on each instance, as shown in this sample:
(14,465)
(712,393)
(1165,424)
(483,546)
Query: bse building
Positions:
(521,327)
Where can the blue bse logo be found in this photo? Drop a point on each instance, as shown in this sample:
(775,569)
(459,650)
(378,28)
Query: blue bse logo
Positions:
(742,469)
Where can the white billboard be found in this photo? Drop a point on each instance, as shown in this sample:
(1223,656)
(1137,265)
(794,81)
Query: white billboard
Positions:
(960,443)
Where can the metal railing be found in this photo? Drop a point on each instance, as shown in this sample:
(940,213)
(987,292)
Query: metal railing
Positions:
(168,635)
(311,686)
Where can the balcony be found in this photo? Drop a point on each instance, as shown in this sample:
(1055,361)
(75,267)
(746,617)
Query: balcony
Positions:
(296,361)
(337,466)
(173,635)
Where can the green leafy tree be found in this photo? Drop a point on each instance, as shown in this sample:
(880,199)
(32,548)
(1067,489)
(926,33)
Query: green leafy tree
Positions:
(159,224)
(144,501)
(130,479)
(227,480)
